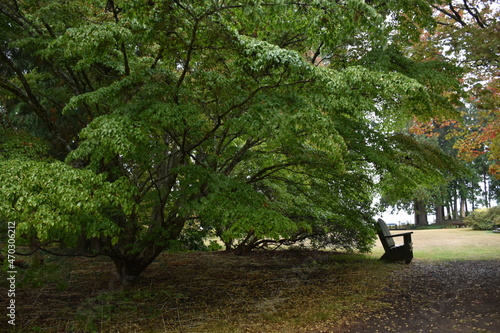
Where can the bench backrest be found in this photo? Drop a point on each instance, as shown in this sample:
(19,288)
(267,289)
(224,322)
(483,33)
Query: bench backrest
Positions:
(384,230)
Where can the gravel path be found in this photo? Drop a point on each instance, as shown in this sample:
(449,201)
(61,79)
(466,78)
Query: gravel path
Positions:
(452,296)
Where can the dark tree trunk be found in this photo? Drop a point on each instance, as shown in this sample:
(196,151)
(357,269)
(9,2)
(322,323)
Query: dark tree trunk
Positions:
(129,267)
(246,245)
(34,247)
(439,214)
(420,213)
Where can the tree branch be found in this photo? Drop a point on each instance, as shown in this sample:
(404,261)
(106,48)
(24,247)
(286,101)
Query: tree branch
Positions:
(454,15)
(238,157)
(317,53)
(18,18)
(115,10)
(188,56)
(27,95)
(475,14)
(262,174)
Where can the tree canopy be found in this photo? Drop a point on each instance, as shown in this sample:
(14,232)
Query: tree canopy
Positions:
(466,34)
(140,125)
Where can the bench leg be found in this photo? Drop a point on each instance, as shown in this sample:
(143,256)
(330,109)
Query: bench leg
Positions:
(408,252)
(399,254)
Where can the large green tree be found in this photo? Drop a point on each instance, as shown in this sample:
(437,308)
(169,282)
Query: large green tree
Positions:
(263,121)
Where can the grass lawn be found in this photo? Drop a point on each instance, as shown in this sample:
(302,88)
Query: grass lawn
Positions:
(450,244)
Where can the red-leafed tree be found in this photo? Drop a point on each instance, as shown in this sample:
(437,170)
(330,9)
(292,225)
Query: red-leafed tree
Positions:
(467,34)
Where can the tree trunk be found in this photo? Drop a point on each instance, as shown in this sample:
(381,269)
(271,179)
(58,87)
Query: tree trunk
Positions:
(129,267)
(463,208)
(247,244)
(420,213)
(34,247)
(455,207)
(130,264)
(486,192)
(439,214)
(448,211)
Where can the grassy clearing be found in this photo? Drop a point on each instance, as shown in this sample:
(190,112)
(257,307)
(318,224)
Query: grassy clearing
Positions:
(451,244)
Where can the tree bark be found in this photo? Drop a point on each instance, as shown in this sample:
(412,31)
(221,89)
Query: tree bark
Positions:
(448,212)
(463,208)
(420,213)
(439,214)
(486,191)
(129,267)
(455,207)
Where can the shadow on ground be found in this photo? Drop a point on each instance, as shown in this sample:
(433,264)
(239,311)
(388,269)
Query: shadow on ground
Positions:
(282,291)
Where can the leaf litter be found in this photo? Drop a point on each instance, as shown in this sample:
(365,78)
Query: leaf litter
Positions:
(265,291)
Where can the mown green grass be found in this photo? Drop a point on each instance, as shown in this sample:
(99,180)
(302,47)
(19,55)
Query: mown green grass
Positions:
(450,244)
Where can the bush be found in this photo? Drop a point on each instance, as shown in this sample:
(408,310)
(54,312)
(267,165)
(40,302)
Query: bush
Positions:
(484,219)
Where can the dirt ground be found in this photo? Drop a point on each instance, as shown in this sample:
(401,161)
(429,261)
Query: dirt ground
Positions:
(263,292)
(453,296)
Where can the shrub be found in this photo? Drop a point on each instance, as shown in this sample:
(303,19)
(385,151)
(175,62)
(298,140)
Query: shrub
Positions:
(484,219)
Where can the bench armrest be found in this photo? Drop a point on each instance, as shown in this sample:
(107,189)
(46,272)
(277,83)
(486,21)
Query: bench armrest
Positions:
(396,235)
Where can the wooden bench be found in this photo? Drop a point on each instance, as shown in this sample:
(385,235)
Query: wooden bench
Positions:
(394,252)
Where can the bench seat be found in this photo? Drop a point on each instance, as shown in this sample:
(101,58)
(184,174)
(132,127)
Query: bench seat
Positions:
(394,252)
